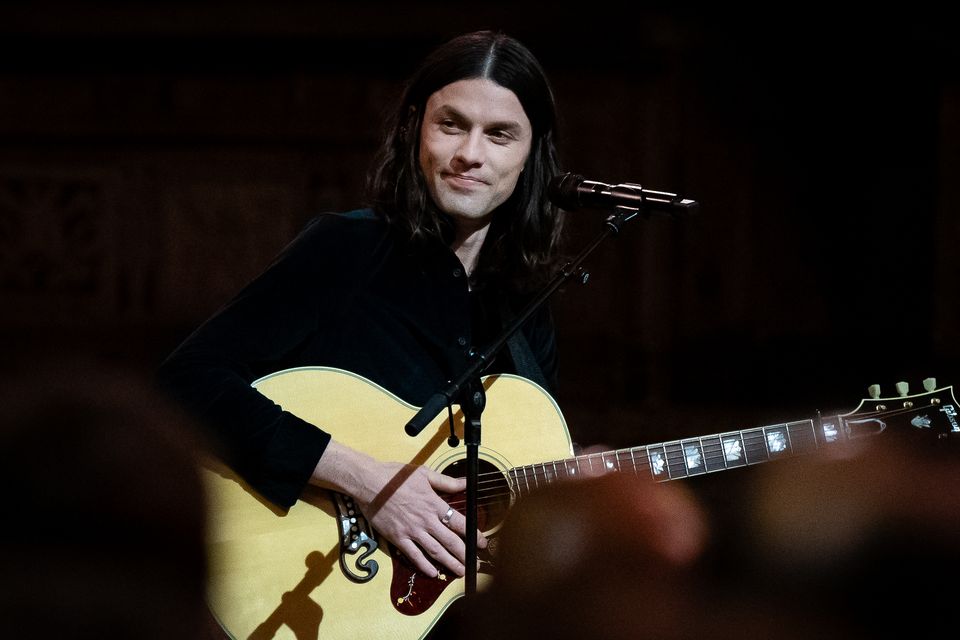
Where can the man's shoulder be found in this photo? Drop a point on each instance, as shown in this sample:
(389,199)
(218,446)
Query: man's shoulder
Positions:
(353,226)
(357,215)
(358,219)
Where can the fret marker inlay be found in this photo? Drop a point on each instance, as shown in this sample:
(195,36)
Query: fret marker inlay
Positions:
(732,449)
(693,456)
(776,442)
(657,463)
(830,432)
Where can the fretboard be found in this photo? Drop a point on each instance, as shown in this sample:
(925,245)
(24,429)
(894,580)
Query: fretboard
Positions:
(691,456)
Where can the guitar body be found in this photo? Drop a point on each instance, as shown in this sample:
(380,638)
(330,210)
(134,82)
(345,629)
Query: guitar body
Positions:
(279,575)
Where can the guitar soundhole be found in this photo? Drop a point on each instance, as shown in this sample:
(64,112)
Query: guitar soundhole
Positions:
(493,494)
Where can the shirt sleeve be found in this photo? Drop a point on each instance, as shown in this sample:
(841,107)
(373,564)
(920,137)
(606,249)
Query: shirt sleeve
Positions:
(212,370)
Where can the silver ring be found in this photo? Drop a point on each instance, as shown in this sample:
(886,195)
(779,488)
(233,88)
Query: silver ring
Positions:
(446,517)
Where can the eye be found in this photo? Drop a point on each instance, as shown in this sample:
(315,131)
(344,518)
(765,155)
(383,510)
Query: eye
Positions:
(449,125)
(500,136)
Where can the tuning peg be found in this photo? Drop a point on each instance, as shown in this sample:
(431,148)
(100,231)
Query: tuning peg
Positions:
(903,388)
(874,391)
(930,384)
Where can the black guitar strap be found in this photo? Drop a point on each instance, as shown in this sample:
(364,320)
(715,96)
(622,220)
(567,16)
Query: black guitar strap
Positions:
(523,358)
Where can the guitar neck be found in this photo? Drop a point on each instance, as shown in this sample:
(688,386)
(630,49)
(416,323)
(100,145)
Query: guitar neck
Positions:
(702,454)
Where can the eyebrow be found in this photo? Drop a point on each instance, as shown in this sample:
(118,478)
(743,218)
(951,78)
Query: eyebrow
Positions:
(506,125)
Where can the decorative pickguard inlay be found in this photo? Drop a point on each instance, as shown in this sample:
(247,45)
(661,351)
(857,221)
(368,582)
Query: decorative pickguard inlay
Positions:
(356,540)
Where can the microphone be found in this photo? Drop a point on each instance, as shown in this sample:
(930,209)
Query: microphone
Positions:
(570,192)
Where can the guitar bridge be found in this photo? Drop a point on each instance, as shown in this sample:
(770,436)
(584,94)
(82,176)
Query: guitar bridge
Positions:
(356,537)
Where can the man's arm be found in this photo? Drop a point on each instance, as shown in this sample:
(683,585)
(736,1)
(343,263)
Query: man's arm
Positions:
(402,503)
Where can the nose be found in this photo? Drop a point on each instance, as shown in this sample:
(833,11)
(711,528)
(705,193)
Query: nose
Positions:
(470,151)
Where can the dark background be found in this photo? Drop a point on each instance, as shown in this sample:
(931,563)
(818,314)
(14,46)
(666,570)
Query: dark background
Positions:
(154,156)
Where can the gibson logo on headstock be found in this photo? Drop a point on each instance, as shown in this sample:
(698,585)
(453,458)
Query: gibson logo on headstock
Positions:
(951,413)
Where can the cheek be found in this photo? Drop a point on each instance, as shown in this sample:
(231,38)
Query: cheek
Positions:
(423,157)
(518,167)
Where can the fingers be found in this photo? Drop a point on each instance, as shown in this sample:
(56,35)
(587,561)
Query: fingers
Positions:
(447,548)
(415,518)
(458,525)
(443,544)
(438,547)
(458,522)
(444,483)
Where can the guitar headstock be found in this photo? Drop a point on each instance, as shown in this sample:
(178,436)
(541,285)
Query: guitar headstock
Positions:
(935,410)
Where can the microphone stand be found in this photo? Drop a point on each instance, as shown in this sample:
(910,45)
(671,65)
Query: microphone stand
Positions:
(468,390)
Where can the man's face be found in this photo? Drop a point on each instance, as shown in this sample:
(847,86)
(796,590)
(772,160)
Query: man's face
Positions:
(474,142)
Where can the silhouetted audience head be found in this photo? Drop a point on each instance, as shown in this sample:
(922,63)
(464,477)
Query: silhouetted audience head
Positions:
(104,509)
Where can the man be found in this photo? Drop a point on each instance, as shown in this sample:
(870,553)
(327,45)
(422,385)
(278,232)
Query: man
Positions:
(459,234)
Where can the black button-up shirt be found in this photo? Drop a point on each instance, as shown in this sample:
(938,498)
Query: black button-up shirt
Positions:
(348,292)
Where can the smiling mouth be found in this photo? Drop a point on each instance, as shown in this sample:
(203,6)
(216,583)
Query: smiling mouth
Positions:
(461,178)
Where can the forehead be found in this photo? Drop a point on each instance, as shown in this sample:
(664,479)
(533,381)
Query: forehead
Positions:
(480,100)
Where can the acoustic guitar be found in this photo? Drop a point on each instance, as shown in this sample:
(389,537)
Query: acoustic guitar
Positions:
(320,571)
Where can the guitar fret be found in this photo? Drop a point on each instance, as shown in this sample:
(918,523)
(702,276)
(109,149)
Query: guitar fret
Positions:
(754,447)
(676,464)
(734,452)
(633,462)
(607,465)
(776,441)
(642,464)
(830,430)
(657,457)
(803,436)
(713,457)
(692,456)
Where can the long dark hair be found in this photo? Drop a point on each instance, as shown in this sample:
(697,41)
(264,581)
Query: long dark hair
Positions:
(522,242)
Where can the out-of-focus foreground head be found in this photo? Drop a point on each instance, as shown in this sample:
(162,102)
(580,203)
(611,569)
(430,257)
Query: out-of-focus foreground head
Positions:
(105,509)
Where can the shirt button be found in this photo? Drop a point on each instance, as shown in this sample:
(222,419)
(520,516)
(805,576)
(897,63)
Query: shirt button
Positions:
(457,272)
(462,341)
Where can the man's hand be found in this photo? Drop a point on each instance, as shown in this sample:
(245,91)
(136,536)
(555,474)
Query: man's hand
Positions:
(402,502)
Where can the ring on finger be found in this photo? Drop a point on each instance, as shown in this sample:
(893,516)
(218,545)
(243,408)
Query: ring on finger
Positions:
(445,519)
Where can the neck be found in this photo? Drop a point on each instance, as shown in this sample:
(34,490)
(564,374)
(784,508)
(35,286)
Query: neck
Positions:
(467,245)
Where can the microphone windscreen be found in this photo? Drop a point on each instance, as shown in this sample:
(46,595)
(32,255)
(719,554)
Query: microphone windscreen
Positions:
(562,190)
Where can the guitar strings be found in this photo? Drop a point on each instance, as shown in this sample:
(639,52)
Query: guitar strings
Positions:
(674,452)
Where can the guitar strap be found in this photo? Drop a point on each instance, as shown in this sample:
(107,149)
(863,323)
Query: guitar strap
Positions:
(523,358)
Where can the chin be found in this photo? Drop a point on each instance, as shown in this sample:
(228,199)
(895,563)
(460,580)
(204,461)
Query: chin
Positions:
(457,208)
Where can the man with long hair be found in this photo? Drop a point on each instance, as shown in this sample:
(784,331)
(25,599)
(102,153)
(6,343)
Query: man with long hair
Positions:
(458,235)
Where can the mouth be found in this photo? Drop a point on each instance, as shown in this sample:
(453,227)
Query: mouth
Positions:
(463,179)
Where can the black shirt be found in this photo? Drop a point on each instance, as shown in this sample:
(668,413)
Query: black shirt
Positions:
(348,292)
